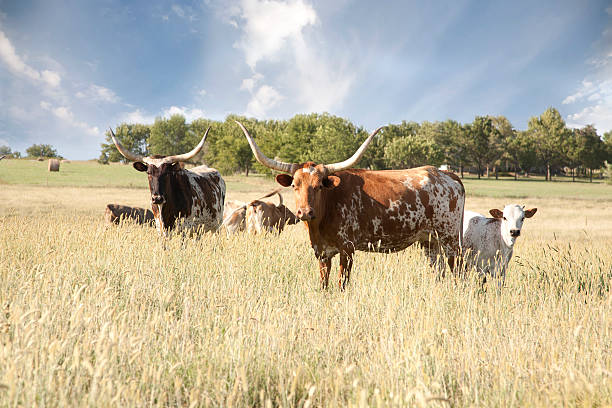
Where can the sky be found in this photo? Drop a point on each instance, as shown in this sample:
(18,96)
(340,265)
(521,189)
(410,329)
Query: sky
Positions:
(69,69)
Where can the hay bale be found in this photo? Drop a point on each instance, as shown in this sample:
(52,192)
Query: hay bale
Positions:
(54,165)
(65,161)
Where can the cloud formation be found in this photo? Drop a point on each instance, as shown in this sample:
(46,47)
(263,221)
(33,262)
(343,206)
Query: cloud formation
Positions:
(65,115)
(98,93)
(275,39)
(17,66)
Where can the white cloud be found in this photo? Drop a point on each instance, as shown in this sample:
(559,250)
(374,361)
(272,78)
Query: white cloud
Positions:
(249,83)
(593,99)
(178,10)
(139,116)
(269,25)
(264,99)
(65,114)
(202,92)
(98,93)
(274,35)
(17,66)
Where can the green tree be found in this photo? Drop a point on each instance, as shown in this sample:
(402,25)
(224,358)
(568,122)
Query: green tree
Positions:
(592,151)
(450,137)
(412,151)
(520,150)
(41,150)
(170,136)
(133,137)
(8,152)
(478,141)
(549,133)
(498,141)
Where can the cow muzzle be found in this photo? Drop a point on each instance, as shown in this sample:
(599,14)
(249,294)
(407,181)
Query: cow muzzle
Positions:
(305,214)
(515,233)
(157,199)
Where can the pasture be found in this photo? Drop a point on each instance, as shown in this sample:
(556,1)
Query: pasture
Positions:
(114,316)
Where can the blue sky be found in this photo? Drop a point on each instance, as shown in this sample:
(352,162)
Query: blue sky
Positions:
(69,69)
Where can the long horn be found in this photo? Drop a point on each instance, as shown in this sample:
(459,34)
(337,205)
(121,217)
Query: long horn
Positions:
(2,157)
(125,152)
(263,159)
(350,162)
(186,156)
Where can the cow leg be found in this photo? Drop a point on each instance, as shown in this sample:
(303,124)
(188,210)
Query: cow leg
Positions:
(346,264)
(324,269)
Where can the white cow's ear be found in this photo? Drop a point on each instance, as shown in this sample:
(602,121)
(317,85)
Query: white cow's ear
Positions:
(529,213)
(496,213)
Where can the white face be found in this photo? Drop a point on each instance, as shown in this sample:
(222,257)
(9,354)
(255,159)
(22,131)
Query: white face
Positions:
(514,216)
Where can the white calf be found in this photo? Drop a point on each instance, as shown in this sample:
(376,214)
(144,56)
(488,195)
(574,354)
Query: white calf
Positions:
(489,242)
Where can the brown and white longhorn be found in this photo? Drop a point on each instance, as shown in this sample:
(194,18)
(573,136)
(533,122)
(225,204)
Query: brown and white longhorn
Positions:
(347,209)
(192,198)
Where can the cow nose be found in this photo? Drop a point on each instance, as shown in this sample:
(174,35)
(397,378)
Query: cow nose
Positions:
(305,214)
(515,233)
(157,199)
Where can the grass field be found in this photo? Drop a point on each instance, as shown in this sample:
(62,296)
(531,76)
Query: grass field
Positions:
(115,316)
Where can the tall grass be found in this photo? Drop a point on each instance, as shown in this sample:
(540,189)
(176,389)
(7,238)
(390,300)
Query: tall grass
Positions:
(115,316)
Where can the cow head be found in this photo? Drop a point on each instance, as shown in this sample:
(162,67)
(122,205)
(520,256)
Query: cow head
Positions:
(512,221)
(309,181)
(160,169)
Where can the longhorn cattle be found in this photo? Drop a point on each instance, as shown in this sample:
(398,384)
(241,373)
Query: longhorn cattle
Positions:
(114,213)
(190,199)
(489,242)
(346,209)
(234,216)
(265,216)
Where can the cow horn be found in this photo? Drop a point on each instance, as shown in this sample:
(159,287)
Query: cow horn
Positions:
(334,167)
(186,156)
(125,152)
(263,159)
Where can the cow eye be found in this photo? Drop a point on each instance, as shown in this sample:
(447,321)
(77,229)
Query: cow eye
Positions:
(505,219)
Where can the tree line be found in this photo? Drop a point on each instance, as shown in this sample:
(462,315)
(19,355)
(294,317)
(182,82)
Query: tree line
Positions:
(489,144)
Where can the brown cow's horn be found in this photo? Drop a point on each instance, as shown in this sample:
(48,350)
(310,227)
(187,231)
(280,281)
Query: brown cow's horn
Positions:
(186,156)
(334,167)
(125,152)
(263,159)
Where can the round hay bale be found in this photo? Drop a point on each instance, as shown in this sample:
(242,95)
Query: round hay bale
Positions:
(54,165)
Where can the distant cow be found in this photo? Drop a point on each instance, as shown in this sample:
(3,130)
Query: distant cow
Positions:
(192,199)
(115,213)
(346,209)
(489,242)
(265,216)
(234,216)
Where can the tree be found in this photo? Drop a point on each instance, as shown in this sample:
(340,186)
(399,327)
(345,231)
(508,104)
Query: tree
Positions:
(134,137)
(498,140)
(479,135)
(592,151)
(6,151)
(41,150)
(412,151)
(520,151)
(374,156)
(170,136)
(450,137)
(549,132)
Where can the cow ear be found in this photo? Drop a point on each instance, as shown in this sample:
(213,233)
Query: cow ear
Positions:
(140,166)
(331,181)
(496,213)
(284,180)
(529,213)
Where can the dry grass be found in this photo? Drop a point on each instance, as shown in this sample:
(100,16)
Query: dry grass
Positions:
(112,316)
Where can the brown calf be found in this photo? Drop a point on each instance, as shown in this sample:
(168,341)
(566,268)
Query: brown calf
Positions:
(114,213)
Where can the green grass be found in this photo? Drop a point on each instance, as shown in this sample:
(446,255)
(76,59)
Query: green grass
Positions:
(92,174)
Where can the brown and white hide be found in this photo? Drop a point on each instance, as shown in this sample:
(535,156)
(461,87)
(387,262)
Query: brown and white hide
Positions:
(262,216)
(234,215)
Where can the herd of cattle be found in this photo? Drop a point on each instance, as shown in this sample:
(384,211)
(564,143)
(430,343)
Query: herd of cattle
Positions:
(343,209)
